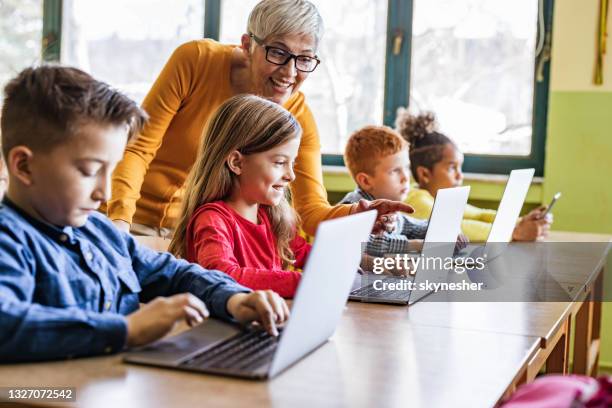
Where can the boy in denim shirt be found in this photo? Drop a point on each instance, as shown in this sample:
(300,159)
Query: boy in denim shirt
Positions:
(70,282)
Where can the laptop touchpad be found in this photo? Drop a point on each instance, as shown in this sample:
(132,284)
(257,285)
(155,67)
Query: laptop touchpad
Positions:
(173,350)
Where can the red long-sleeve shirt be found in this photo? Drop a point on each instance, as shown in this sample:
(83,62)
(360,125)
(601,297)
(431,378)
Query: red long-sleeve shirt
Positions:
(219,238)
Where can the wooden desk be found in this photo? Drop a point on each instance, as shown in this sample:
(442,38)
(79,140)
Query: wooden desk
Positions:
(578,269)
(370,361)
(587,313)
(430,354)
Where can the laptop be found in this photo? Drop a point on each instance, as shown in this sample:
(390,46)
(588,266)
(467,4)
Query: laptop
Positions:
(505,220)
(440,239)
(222,348)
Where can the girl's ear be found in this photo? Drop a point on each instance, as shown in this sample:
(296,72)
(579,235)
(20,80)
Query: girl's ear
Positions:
(423,175)
(234,162)
(363,181)
(18,164)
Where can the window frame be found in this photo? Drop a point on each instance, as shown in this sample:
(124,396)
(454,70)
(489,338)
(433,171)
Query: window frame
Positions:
(397,78)
(52,30)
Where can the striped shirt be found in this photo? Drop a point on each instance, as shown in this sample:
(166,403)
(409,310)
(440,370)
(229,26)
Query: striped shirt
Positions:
(407,228)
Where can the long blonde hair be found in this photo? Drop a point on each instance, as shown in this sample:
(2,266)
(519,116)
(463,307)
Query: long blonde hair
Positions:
(248,124)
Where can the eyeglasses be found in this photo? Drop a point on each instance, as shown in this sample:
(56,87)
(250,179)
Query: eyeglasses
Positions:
(278,56)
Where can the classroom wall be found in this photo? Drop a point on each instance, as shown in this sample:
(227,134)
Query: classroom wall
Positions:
(579,139)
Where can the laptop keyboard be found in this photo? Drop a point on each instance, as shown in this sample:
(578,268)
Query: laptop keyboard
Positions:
(242,351)
(369,292)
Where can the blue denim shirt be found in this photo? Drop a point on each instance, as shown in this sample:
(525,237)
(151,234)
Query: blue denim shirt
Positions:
(64,291)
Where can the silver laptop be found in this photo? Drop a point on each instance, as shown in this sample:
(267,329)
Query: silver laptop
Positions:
(444,226)
(505,220)
(221,348)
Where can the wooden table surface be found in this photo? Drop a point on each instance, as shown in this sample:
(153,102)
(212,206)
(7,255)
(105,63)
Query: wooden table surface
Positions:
(549,289)
(429,354)
(370,361)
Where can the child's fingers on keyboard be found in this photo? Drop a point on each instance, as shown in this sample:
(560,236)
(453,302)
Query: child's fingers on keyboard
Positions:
(277,304)
(192,316)
(195,303)
(187,299)
(265,312)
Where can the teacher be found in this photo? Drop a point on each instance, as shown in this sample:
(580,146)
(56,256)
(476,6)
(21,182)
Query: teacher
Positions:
(275,57)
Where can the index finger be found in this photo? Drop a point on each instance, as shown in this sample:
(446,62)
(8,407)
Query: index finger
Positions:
(280,307)
(267,316)
(265,313)
(388,206)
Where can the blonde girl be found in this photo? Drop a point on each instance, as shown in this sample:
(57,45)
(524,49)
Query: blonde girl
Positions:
(235,216)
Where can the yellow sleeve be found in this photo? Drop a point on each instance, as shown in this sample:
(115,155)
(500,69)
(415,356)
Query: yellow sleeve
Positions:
(422,202)
(161,103)
(474,225)
(307,190)
(476,231)
(479,214)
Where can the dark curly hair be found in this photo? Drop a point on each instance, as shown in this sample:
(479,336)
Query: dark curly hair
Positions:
(426,143)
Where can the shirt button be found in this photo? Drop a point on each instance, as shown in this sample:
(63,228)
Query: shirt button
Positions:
(63,237)
(109,349)
(108,305)
(89,256)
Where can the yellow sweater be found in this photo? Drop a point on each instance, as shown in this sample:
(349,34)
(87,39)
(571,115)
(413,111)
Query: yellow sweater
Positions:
(147,186)
(476,223)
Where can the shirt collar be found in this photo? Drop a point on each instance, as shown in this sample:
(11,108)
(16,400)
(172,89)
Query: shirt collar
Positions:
(366,196)
(61,234)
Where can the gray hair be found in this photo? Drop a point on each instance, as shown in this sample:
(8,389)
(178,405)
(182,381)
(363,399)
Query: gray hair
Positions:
(272,18)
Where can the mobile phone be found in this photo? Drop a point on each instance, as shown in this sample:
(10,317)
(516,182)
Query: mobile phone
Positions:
(552,203)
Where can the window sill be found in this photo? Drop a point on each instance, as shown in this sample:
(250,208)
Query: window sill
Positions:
(485,187)
(489,178)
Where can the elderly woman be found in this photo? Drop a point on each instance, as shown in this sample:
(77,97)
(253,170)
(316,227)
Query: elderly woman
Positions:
(275,57)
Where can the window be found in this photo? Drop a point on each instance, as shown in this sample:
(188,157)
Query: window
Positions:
(20,36)
(346,91)
(480,65)
(126,43)
(472,64)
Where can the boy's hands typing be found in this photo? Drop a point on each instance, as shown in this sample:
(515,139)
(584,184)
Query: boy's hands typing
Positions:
(263,306)
(155,319)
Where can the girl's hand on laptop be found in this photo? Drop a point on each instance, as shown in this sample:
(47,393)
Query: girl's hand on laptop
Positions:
(462,242)
(263,306)
(384,208)
(155,319)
